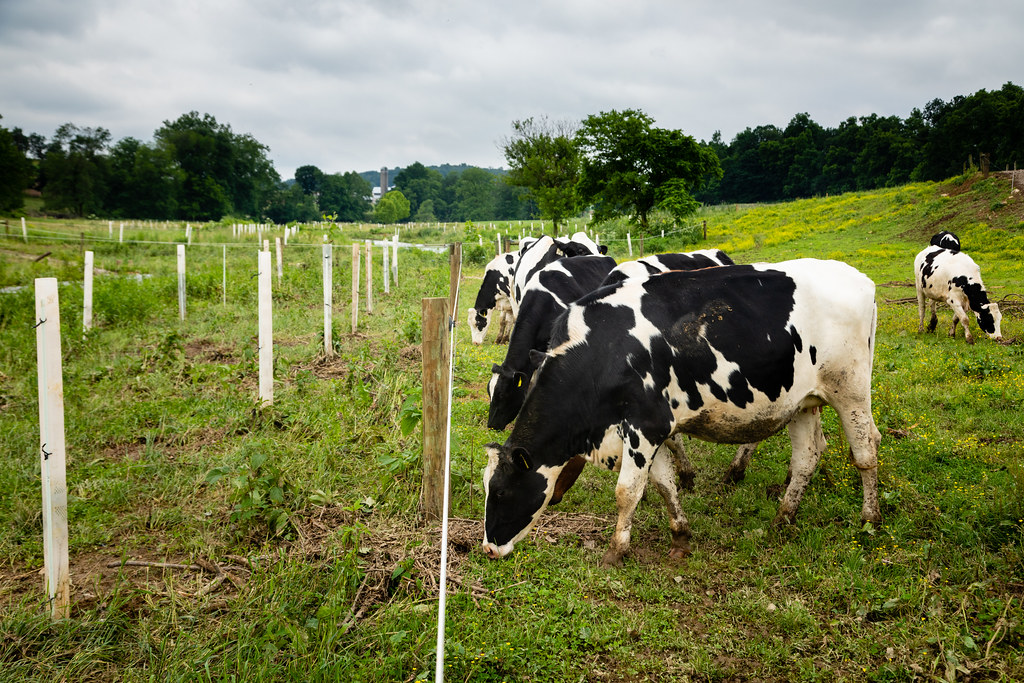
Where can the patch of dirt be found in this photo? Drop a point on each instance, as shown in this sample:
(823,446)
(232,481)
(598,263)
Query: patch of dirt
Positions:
(207,351)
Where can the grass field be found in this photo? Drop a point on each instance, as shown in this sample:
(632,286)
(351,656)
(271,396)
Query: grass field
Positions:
(303,556)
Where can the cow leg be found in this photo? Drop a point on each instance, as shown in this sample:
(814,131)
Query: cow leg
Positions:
(934,319)
(920,308)
(738,467)
(960,316)
(682,463)
(802,435)
(864,438)
(663,472)
(567,477)
(629,489)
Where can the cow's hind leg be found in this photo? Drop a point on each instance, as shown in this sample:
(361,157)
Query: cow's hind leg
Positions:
(738,467)
(804,435)
(684,468)
(864,438)
(629,489)
(663,477)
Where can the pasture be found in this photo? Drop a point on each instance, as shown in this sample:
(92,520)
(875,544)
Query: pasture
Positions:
(283,543)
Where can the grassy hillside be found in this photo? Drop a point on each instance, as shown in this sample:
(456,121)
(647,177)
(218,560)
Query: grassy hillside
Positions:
(298,528)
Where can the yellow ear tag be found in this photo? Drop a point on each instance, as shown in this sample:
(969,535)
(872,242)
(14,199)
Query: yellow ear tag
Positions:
(519,383)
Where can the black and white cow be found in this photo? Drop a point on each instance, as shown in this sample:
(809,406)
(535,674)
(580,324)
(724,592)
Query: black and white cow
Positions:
(728,355)
(494,295)
(649,265)
(547,295)
(954,277)
(946,240)
(539,253)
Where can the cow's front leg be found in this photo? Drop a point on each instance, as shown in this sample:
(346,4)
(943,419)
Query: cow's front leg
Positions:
(738,467)
(663,478)
(805,437)
(635,468)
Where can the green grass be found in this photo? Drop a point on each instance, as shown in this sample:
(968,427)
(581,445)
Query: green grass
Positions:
(311,505)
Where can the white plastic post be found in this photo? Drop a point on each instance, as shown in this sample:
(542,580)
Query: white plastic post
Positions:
(87,293)
(280,271)
(120,233)
(355,287)
(110,229)
(266,333)
(384,270)
(369,276)
(328,300)
(181,281)
(266,245)
(224,275)
(24,230)
(394,260)
(52,448)
(629,243)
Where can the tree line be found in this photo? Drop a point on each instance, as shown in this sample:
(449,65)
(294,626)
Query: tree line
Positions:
(615,163)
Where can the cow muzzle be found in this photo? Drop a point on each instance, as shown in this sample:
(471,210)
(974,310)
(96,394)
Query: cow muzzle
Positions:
(494,552)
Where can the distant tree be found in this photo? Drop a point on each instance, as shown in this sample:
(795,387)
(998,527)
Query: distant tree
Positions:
(310,179)
(419,184)
(346,195)
(15,172)
(292,204)
(76,170)
(391,208)
(145,181)
(544,160)
(630,167)
(474,195)
(425,214)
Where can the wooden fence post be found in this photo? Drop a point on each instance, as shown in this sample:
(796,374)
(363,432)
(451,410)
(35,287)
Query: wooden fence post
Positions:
(355,287)
(266,329)
(52,449)
(435,405)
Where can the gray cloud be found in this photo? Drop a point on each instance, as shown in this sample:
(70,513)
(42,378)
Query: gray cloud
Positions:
(355,85)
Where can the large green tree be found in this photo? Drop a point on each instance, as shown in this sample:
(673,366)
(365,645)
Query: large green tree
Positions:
(419,184)
(544,159)
(474,195)
(391,208)
(15,172)
(75,168)
(145,181)
(345,195)
(630,167)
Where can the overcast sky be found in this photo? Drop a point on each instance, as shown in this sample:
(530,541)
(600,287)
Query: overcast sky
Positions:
(353,85)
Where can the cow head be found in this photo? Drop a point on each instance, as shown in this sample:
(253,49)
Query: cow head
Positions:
(516,492)
(997,316)
(507,390)
(478,323)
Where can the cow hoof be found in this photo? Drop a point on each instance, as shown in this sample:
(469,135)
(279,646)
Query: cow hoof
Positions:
(555,500)
(733,476)
(678,554)
(611,560)
(783,519)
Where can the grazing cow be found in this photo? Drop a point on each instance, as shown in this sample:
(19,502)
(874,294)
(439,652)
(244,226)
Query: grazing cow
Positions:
(494,294)
(547,295)
(954,277)
(946,240)
(649,265)
(728,355)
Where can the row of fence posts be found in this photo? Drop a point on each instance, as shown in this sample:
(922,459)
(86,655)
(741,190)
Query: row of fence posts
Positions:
(51,391)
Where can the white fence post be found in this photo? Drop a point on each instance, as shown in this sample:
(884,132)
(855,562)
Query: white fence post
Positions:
(280,270)
(52,448)
(266,333)
(87,293)
(629,243)
(384,270)
(120,234)
(328,301)
(369,276)
(24,230)
(394,259)
(181,281)
(355,287)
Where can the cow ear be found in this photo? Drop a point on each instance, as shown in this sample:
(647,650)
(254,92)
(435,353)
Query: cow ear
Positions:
(521,457)
(496,368)
(536,358)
